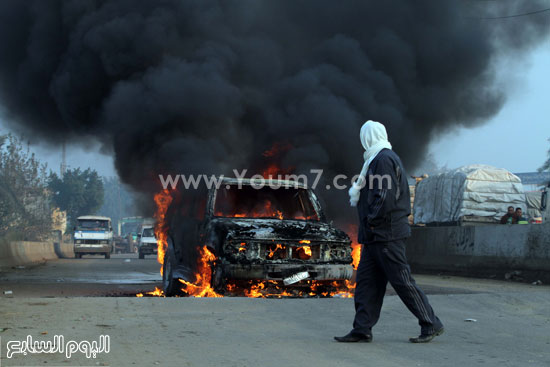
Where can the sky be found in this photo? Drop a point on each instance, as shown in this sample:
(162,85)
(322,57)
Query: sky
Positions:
(515,139)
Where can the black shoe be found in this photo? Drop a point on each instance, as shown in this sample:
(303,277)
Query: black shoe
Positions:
(425,338)
(354,338)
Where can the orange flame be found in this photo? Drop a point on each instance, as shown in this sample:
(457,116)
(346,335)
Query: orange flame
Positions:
(307,249)
(275,289)
(271,172)
(156,293)
(355,246)
(259,289)
(265,210)
(163,200)
(276,149)
(273,156)
(202,285)
(272,251)
(255,290)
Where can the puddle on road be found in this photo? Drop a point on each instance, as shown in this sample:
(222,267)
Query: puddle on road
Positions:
(134,280)
(116,279)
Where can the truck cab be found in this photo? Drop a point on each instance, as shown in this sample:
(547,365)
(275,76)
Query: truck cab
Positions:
(147,242)
(93,235)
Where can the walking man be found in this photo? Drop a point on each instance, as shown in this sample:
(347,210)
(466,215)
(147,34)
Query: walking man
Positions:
(382,197)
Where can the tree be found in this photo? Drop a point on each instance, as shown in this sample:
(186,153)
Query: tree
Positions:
(78,192)
(546,165)
(24,198)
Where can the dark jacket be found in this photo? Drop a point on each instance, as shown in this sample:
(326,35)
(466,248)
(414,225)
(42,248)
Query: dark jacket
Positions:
(506,219)
(384,208)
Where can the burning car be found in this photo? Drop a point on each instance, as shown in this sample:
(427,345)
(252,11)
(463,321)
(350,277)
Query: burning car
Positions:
(276,232)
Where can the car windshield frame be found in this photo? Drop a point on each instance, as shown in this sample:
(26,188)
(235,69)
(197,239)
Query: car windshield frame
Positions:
(148,232)
(89,227)
(307,206)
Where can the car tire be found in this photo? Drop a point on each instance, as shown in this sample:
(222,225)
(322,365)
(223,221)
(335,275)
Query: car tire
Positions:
(218,280)
(107,255)
(141,255)
(169,284)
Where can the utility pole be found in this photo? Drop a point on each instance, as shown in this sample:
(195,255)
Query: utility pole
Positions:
(119,207)
(63,166)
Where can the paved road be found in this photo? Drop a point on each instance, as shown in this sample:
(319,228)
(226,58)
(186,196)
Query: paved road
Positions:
(512,327)
(123,274)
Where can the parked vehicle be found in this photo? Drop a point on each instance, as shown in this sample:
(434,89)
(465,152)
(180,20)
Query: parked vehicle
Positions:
(127,234)
(469,195)
(147,243)
(93,235)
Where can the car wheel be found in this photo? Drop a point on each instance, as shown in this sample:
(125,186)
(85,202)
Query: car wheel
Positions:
(107,255)
(218,281)
(169,284)
(141,255)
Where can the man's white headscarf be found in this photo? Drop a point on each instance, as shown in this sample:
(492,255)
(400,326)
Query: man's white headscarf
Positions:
(374,138)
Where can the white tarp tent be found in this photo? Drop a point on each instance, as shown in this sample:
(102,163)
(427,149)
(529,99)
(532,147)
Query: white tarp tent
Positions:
(534,203)
(476,190)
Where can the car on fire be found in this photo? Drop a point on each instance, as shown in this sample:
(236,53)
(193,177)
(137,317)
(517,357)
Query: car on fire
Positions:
(258,230)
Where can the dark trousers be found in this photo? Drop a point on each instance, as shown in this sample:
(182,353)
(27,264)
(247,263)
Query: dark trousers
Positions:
(381,263)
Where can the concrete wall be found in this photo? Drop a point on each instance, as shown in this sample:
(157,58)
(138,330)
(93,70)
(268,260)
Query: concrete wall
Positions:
(487,249)
(15,253)
(64,250)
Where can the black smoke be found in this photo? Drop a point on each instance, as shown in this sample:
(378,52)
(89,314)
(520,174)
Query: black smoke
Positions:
(180,86)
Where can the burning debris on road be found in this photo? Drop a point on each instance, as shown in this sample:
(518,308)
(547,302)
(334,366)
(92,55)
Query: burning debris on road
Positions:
(272,289)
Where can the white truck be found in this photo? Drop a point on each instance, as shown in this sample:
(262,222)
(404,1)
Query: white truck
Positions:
(93,235)
(147,243)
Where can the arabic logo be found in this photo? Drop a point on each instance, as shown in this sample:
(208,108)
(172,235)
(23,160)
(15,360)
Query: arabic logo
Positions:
(58,345)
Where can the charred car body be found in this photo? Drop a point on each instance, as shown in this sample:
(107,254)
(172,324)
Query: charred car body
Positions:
(277,231)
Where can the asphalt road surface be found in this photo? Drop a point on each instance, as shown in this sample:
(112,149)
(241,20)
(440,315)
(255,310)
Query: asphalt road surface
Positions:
(93,275)
(511,327)
(122,275)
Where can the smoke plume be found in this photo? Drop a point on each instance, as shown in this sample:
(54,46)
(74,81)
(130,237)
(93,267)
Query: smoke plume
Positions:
(180,86)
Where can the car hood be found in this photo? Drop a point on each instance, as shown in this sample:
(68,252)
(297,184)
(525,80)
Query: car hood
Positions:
(276,229)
